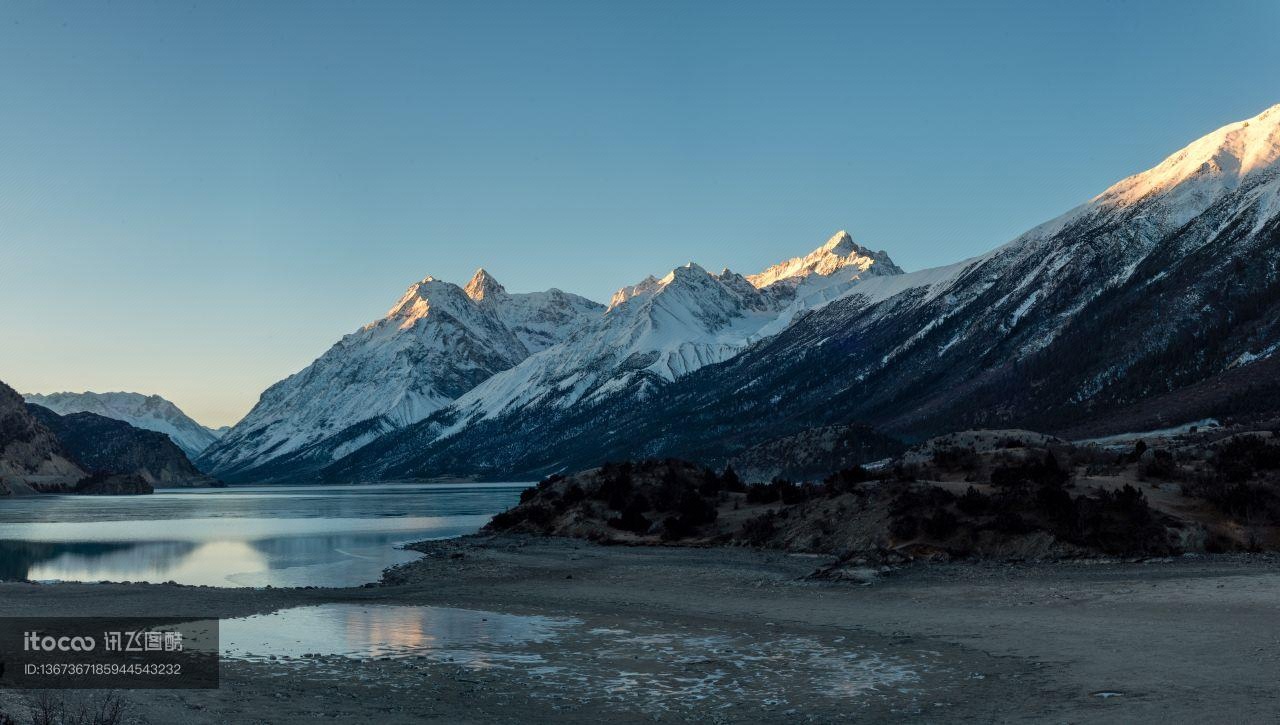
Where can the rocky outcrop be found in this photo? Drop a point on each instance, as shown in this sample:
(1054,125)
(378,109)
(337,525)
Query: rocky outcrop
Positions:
(30,454)
(116,484)
(107,445)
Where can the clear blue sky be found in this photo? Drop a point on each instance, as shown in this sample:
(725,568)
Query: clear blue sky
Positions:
(196,199)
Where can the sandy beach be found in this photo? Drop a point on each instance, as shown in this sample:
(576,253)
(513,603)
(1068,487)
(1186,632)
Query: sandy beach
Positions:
(736,635)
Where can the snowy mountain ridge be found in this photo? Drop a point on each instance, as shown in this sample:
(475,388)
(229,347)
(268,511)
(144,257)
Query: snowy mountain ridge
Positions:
(660,330)
(149,412)
(488,349)
(438,341)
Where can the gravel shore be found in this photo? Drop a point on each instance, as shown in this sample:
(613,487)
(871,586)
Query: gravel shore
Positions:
(737,635)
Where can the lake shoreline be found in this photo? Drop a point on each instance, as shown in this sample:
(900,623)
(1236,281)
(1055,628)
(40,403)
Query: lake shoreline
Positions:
(982,639)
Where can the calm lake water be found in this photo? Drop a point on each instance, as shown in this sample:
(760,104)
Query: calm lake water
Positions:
(245,536)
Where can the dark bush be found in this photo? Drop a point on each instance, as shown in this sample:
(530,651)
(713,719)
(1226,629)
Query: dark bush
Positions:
(973,503)
(1135,455)
(844,481)
(904,527)
(710,484)
(1246,502)
(941,525)
(956,458)
(695,510)
(1161,465)
(1243,457)
(616,488)
(506,519)
(1056,505)
(759,530)
(1119,523)
(539,515)
(763,493)
(673,528)
(729,481)
(632,518)
(572,495)
(1043,472)
(912,500)
(1008,522)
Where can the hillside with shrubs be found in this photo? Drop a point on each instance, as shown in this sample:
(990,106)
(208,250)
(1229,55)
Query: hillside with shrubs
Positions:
(978,494)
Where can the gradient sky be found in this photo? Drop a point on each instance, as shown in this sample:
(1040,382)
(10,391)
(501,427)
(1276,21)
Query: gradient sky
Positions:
(197,199)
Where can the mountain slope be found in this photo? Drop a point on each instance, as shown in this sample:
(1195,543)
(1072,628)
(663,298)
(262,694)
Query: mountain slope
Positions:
(149,412)
(107,445)
(29,452)
(1168,279)
(437,342)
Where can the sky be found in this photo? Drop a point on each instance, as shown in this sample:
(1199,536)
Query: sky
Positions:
(198,198)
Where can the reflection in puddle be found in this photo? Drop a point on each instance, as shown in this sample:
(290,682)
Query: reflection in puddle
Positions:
(364,631)
(644,665)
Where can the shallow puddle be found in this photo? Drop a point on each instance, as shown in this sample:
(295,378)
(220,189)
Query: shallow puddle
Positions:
(645,664)
(374,631)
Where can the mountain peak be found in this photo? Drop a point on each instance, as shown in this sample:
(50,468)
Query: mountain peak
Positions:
(648,284)
(483,285)
(840,243)
(1216,160)
(839,252)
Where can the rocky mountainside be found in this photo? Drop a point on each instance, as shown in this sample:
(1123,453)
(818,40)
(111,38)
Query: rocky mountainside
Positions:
(29,452)
(438,341)
(1165,281)
(149,412)
(106,445)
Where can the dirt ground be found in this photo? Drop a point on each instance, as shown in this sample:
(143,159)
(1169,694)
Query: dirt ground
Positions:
(736,635)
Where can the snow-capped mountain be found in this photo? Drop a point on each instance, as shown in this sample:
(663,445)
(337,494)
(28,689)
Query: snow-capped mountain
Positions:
(662,329)
(436,343)
(655,332)
(149,412)
(1162,291)
(839,255)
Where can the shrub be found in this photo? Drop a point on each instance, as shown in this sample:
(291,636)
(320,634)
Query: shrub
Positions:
(941,525)
(1161,465)
(955,458)
(695,510)
(572,495)
(1008,522)
(632,518)
(729,481)
(1056,505)
(973,503)
(763,493)
(616,488)
(1043,472)
(844,481)
(1242,457)
(759,530)
(904,527)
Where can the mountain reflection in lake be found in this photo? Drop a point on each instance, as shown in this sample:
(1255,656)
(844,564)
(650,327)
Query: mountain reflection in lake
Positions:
(244,536)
